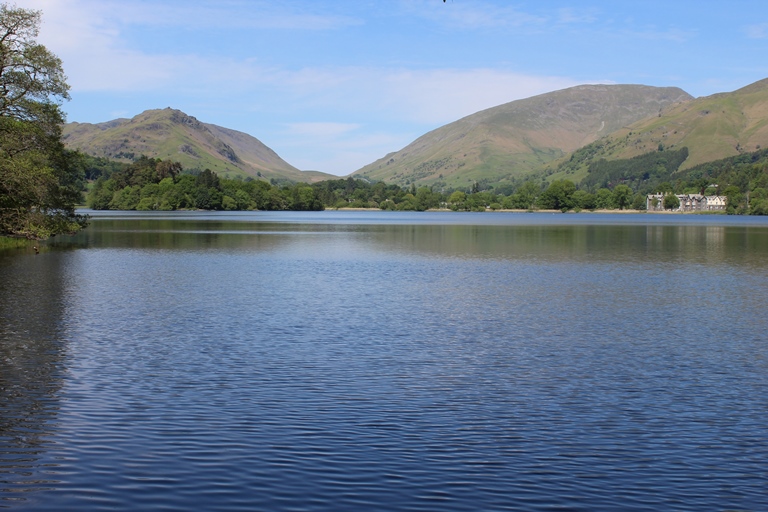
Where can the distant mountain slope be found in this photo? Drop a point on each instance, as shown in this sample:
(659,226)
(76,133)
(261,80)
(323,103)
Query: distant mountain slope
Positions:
(522,136)
(172,134)
(712,128)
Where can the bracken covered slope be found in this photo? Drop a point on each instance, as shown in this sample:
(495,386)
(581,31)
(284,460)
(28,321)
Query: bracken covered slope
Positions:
(712,128)
(172,134)
(520,137)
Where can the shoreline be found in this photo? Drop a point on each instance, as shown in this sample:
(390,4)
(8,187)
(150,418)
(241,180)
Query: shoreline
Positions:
(632,212)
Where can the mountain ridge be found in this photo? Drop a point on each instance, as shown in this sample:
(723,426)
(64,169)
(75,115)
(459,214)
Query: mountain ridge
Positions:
(522,136)
(552,135)
(712,127)
(172,134)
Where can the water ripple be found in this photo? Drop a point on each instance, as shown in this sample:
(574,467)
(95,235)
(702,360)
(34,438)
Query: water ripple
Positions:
(361,371)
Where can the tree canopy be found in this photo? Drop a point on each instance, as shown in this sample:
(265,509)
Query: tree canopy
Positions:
(40,181)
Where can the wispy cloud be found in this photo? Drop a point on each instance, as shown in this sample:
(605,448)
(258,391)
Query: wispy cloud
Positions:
(426,97)
(321,129)
(286,15)
(439,96)
(207,15)
(420,99)
(326,114)
(342,149)
(576,16)
(474,15)
(477,15)
(758,31)
(675,35)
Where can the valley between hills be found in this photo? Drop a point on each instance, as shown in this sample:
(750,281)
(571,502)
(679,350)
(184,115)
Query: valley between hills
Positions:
(594,136)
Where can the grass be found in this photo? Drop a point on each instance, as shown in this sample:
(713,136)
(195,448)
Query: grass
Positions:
(7,243)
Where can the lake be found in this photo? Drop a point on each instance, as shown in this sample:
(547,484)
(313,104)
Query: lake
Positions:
(387,361)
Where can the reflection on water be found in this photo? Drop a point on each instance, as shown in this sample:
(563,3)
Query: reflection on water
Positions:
(334,361)
(32,367)
(524,237)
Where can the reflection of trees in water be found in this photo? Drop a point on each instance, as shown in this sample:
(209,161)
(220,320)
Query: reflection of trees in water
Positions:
(547,242)
(31,359)
(609,243)
(177,235)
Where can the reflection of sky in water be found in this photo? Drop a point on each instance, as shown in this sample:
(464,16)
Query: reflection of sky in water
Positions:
(216,364)
(547,236)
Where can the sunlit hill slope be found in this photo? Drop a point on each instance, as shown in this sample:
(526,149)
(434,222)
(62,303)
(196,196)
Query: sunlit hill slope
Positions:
(520,137)
(172,134)
(712,128)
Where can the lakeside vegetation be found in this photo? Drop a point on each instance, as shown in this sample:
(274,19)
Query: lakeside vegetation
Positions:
(154,184)
(40,182)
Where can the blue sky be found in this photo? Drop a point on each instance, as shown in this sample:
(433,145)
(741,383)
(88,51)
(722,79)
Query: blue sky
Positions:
(332,85)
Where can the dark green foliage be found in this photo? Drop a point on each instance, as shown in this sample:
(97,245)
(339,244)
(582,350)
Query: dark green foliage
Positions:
(40,181)
(154,184)
(524,198)
(558,196)
(583,200)
(94,167)
(622,196)
(638,202)
(671,202)
(644,171)
(625,183)
(740,178)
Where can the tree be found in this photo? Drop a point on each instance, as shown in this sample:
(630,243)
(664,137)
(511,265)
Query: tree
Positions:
(558,195)
(638,203)
(456,200)
(426,199)
(40,181)
(583,200)
(622,196)
(671,202)
(604,199)
(524,197)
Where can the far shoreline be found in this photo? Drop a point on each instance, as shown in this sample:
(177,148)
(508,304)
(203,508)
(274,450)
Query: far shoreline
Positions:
(502,210)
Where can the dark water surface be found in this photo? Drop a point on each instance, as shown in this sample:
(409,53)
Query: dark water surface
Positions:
(385,361)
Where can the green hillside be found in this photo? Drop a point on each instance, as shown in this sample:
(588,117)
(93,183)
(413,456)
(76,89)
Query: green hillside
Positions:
(712,128)
(172,134)
(520,137)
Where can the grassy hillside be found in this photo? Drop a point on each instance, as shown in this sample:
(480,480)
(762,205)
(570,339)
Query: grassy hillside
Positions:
(517,138)
(712,128)
(172,134)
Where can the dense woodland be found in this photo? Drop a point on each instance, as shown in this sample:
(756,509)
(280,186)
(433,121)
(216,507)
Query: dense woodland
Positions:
(153,184)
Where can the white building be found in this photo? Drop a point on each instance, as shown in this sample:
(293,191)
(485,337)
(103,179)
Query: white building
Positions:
(688,203)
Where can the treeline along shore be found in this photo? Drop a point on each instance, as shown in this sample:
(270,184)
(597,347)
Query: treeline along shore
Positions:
(154,184)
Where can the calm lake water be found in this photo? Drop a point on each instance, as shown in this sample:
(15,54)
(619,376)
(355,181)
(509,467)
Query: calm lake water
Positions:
(387,361)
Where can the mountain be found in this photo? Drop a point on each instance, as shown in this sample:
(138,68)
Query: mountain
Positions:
(711,128)
(520,137)
(172,134)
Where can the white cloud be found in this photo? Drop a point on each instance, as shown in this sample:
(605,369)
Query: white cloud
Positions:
(339,154)
(439,96)
(417,100)
(758,31)
(334,118)
(201,14)
(574,16)
(475,15)
(427,97)
(90,38)
(321,129)
(90,47)
(674,35)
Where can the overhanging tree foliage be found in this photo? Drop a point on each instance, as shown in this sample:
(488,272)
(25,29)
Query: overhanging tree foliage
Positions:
(40,181)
